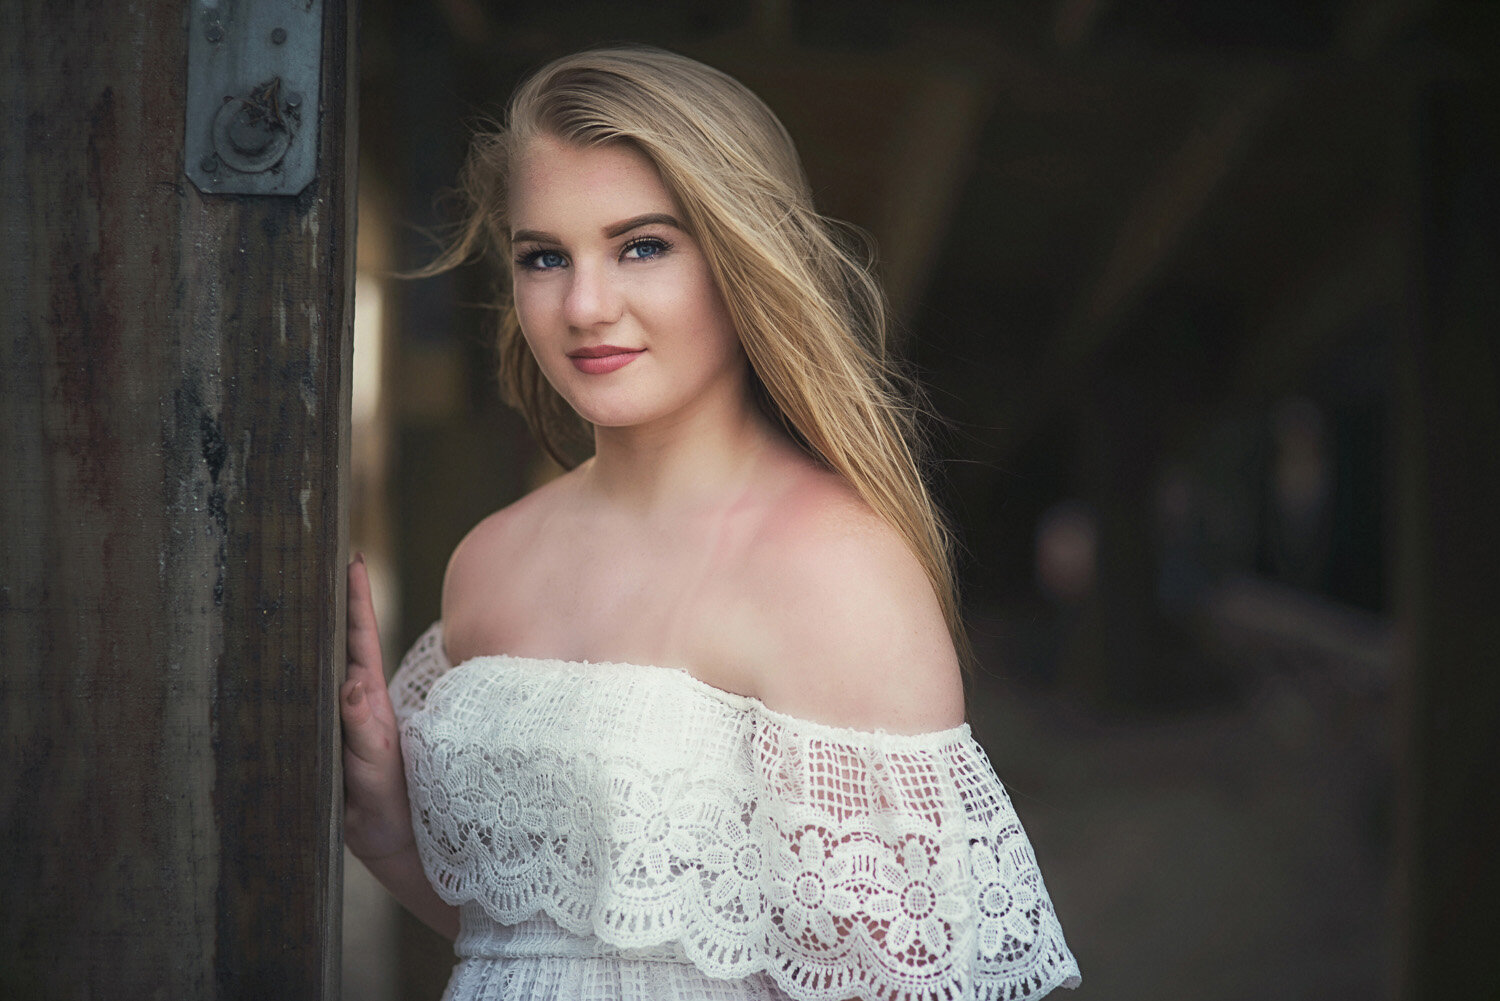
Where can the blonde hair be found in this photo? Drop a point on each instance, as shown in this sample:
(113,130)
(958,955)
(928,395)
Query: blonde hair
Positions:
(812,318)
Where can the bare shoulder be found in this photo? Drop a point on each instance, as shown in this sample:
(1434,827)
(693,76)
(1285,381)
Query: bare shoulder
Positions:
(483,568)
(850,631)
(494,540)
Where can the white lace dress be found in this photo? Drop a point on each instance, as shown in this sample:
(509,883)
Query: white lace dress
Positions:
(616,832)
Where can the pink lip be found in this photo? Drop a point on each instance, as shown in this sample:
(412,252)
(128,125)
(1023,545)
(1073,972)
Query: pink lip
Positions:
(603,358)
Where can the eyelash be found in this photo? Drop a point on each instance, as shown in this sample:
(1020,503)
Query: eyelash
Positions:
(662,246)
(528,259)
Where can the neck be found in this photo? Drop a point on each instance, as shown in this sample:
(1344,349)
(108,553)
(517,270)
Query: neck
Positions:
(682,463)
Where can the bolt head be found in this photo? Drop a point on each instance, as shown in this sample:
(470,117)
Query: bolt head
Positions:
(214,33)
(294,100)
(278,36)
(249,135)
(209,164)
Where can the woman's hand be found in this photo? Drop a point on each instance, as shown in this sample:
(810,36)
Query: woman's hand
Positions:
(377,815)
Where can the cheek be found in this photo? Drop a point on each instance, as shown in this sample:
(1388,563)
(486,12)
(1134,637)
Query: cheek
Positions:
(528,310)
(536,318)
(537,332)
(704,309)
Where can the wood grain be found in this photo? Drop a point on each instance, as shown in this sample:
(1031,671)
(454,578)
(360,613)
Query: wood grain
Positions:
(174,398)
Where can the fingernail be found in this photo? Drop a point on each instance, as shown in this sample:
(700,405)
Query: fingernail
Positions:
(359,557)
(357,694)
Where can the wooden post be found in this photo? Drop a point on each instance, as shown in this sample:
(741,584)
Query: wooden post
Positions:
(1447,428)
(173,421)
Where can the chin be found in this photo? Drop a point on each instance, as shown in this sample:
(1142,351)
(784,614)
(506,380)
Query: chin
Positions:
(611,413)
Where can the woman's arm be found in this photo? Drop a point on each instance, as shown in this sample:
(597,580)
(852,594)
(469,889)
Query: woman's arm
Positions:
(377,813)
(402,875)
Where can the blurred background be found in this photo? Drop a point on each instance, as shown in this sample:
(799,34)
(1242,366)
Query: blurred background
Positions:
(1206,295)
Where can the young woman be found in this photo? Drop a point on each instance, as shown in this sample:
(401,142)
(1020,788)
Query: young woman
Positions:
(692,723)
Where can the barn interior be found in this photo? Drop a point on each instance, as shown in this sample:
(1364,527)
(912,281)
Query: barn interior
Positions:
(1204,294)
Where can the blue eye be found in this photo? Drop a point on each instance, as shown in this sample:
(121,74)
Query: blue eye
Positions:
(541,260)
(645,248)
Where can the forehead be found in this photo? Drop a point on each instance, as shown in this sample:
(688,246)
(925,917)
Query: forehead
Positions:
(555,181)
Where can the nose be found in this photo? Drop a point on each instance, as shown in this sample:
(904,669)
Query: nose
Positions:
(592,298)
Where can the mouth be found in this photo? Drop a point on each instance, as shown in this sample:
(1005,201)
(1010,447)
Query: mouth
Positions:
(603,358)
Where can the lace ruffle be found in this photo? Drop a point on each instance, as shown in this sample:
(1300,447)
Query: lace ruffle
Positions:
(645,808)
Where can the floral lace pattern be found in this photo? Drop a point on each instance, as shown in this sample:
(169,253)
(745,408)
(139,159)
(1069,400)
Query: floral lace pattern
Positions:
(643,808)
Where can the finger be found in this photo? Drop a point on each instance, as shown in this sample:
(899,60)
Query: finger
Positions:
(354,705)
(372,756)
(364,632)
(364,737)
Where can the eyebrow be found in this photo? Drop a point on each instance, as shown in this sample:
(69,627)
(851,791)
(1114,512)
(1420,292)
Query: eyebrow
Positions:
(650,218)
(610,232)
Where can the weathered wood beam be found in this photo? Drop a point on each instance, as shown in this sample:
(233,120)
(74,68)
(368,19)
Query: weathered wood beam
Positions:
(1159,224)
(173,398)
(1154,231)
(1363,276)
(930,156)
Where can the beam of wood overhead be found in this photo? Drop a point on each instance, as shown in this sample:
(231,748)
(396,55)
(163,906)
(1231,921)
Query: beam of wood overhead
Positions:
(1161,219)
(887,144)
(926,169)
(1156,226)
(1160,223)
(1365,274)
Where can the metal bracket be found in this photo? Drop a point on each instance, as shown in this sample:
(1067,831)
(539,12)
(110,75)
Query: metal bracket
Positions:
(254,70)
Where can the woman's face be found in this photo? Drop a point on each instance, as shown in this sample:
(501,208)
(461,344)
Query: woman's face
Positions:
(615,298)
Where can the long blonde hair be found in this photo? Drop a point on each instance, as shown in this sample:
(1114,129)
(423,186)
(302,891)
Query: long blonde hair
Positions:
(812,318)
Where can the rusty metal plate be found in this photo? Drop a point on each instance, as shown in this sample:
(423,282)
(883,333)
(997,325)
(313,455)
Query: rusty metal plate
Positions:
(254,69)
